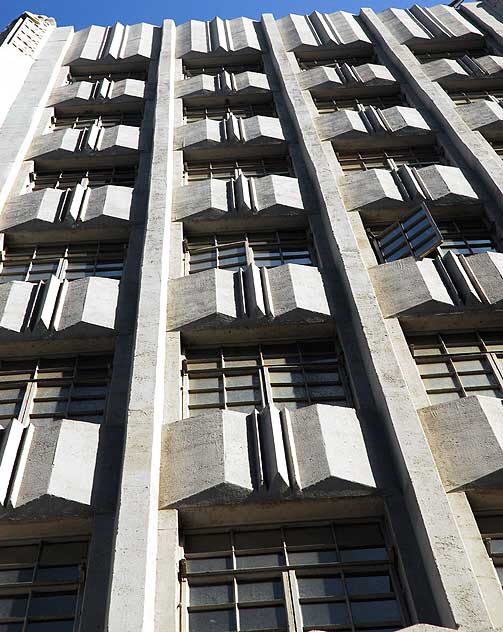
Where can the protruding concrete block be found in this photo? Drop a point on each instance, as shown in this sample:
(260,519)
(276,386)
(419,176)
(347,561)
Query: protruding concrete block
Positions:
(344,124)
(371,189)
(466,438)
(119,139)
(446,185)
(203,133)
(491,64)
(206,298)
(225,36)
(330,451)
(444,70)
(326,78)
(487,268)
(374,75)
(205,460)
(211,198)
(58,144)
(37,210)
(297,293)
(408,286)
(15,297)
(485,117)
(303,32)
(402,121)
(250,81)
(89,305)
(319,77)
(58,465)
(81,92)
(108,205)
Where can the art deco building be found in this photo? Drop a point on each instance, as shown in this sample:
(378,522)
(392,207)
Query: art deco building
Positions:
(251,323)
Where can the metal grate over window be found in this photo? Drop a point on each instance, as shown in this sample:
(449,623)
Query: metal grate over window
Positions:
(75,75)
(426,56)
(458,235)
(335,62)
(461,364)
(38,262)
(292,577)
(92,178)
(228,169)
(327,105)
(491,529)
(219,113)
(192,70)
(390,159)
(461,98)
(42,584)
(51,388)
(242,378)
(87,119)
(233,251)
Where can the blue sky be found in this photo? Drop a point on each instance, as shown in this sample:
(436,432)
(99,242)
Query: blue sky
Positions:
(81,13)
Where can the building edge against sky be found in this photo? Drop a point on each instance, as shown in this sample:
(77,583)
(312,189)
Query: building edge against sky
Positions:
(251,282)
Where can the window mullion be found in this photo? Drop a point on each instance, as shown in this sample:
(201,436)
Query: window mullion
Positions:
(293,621)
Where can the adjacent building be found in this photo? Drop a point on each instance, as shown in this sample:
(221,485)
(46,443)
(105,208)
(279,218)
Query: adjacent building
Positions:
(251,300)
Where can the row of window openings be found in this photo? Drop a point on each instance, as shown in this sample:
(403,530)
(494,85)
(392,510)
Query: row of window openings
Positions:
(74,76)
(87,119)
(194,69)
(473,53)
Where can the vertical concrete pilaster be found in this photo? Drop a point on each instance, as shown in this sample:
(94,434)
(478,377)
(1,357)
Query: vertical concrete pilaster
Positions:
(451,576)
(133,584)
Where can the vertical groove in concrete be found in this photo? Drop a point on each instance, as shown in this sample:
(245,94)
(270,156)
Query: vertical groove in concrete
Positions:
(458,595)
(132,599)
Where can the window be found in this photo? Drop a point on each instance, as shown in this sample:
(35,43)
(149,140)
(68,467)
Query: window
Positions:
(55,387)
(81,121)
(38,262)
(192,70)
(42,584)
(390,159)
(242,378)
(497,145)
(460,364)
(91,178)
(233,251)
(420,235)
(427,56)
(336,576)
(336,62)
(461,98)
(328,105)
(491,529)
(228,169)
(75,75)
(220,112)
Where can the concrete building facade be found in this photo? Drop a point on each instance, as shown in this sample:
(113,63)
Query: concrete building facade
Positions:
(251,294)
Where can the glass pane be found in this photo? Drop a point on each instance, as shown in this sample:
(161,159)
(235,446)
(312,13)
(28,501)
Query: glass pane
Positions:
(358,534)
(258,539)
(52,604)
(312,557)
(202,543)
(271,617)
(209,595)
(63,552)
(19,554)
(13,606)
(439,382)
(478,380)
(50,626)
(309,535)
(16,575)
(259,561)
(496,546)
(368,584)
(209,564)
(212,621)
(356,555)
(324,614)
(260,591)
(375,611)
(320,586)
(59,573)
(11,627)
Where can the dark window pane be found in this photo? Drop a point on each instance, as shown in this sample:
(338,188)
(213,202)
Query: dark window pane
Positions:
(13,606)
(212,621)
(16,575)
(259,561)
(356,555)
(58,573)
(52,604)
(375,611)
(368,584)
(260,591)
(320,586)
(262,618)
(207,542)
(309,535)
(209,564)
(324,613)
(312,557)
(50,626)
(209,595)
(258,539)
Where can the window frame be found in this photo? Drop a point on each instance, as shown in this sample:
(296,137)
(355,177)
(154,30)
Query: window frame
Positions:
(256,167)
(288,574)
(328,105)
(262,384)
(391,159)
(193,113)
(232,66)
(83,120)
(89,178)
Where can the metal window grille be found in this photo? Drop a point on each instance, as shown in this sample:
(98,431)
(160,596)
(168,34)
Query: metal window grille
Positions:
(491,529)
(390,159)
(42,584)
(233,251)
(87,119)
(461,98)
(307,64)
(75,75)
(192,70)
(244,378)
(51,388)
(426,56)
(327,105)
(227,169)
(220,112)
(458,235)
(461,364)
(92,178)
(38,262)
(291,577)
